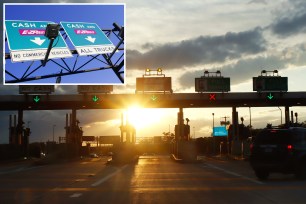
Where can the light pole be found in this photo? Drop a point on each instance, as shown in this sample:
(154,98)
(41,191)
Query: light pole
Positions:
(281,114)
(194,132)
(250,117)
(214,145)
(53,132)
(213,114)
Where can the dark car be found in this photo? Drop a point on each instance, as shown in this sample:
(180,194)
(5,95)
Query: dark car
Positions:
(279,150)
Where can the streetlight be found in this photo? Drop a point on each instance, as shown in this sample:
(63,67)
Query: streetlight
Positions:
(53,132)
(281,115)
(213,114)
(194,132)
(214,145)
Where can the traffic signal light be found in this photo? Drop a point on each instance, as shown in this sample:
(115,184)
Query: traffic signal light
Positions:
(95,98)
(270,96)
(212,97)
(36,99)
(154,98)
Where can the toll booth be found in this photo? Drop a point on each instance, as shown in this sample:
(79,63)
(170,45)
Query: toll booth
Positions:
(183,148)
(125,150)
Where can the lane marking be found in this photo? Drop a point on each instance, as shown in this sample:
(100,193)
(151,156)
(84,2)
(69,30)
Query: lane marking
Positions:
(108,176)
(18,170)
(234,174)
(76,195)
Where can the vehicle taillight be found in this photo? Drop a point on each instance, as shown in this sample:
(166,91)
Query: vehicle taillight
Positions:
(289,147)
(251,147)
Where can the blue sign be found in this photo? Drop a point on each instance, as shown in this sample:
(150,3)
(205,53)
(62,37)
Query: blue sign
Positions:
(88,38)
(29,35)
(220,131)
(27,42)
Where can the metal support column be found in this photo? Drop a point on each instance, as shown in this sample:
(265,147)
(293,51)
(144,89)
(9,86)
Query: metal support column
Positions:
(234,123)
(287,118)
(20,140)
(180,122)
(73,126)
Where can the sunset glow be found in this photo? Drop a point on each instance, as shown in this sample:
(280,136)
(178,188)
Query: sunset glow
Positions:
(143,117)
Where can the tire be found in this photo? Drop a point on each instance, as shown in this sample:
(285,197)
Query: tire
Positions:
(262,174)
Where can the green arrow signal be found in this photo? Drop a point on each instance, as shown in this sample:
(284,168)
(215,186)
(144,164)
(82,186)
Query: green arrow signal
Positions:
(154,98)
(270,96)
(95,98)
(36,99)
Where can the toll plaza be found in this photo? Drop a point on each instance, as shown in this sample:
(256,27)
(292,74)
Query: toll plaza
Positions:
(100,97)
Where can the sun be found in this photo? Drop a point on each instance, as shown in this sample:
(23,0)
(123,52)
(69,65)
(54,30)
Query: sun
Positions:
(142,118)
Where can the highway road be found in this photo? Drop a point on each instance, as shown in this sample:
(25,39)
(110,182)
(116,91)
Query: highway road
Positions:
(153,179)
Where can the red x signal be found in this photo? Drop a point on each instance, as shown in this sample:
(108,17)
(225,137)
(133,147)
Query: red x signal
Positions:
(212,97)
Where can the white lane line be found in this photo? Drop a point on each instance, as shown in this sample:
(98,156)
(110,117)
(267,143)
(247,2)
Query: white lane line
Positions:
(75,195)
(18,170)
(233,173)
(108,176)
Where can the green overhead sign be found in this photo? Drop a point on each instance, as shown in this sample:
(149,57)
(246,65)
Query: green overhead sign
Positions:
(212,84)
(270,83)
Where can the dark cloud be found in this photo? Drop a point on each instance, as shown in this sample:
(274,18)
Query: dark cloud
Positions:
(239,72)
(200,50)
(291,19)
(290,26)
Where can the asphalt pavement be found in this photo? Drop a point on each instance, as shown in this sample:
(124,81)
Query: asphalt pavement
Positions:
(153,179)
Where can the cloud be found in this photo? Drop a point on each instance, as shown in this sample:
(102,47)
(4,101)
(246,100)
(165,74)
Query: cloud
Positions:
(290,19)
(199,50)
(289,26)
(239,72)
(258,2)
(244,69)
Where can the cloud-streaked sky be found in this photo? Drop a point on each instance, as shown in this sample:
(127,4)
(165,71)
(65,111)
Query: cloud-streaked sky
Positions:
(238,37)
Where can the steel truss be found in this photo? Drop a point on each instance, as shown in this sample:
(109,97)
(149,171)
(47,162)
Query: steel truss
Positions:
(106,59)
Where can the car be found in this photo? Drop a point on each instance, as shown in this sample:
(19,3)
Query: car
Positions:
(281,150)
(94,155)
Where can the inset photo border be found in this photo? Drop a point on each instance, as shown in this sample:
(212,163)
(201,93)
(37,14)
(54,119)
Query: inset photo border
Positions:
(64,44)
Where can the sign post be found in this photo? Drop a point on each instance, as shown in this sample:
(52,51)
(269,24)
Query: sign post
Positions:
(88,38)
(27,42)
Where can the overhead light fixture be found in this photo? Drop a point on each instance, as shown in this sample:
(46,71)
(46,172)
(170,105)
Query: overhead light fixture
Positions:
(51,33)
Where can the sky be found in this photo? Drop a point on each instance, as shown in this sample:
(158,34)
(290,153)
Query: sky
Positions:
(103,15)
(239,38)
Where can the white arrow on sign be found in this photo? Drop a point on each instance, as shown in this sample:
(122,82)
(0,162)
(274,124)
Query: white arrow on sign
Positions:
(38,41)
(90,39)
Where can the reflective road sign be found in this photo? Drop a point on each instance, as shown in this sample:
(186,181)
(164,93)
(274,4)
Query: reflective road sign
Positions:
(88,38)
(26,41)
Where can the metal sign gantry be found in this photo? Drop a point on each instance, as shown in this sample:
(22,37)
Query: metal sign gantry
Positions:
(175,100)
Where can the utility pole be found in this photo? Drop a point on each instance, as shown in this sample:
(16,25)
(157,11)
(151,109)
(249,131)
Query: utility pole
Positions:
(225,121)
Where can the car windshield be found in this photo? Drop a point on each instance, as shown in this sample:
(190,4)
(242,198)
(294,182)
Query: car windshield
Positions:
(273,137)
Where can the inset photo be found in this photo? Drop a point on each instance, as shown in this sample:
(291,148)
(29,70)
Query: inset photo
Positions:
(64,44)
